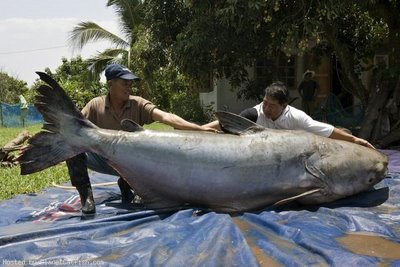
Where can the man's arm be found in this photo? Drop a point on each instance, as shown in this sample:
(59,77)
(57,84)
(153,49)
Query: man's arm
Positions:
(178,122)
(249,113)
(214,124)
(342,135)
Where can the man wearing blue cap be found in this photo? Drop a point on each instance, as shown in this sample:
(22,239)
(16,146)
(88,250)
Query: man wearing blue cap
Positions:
(107,112)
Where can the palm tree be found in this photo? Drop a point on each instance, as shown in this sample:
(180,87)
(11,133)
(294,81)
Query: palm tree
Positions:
(130,13)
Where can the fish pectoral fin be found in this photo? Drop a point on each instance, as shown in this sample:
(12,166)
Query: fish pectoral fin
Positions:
(313,170)
(128,125)
(235,124)
(290,199)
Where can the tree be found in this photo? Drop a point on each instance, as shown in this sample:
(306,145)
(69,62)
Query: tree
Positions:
(132,50)
(11,88)
(223,37)
(194,39)
(76,79)
(131,27)
(385,94)
(130,15)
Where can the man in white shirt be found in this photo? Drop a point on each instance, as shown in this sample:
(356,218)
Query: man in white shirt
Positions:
(275,112)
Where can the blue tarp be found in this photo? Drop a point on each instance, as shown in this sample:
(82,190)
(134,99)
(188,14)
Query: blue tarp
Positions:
(47,229)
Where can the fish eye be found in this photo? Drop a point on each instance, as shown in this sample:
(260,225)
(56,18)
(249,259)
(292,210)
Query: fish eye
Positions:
(371,180)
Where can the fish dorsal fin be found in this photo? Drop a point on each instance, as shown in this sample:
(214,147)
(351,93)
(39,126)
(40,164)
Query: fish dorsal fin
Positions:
(128,125)
(235,124)
(290,199)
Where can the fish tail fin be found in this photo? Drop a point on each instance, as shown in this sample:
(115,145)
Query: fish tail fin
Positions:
(62,123)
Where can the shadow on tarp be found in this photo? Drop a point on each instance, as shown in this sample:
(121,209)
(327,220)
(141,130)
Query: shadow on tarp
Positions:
(48,229)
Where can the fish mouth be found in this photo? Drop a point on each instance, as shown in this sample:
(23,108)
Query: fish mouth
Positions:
(383,168)
(382,164)
(381,171)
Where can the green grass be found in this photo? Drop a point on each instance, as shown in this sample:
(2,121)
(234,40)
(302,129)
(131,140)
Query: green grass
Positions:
(12,183)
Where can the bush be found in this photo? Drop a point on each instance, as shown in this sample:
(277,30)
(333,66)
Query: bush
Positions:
(171,91)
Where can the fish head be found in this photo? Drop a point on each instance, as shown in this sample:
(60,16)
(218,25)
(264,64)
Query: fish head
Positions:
(347,173)
(359,169)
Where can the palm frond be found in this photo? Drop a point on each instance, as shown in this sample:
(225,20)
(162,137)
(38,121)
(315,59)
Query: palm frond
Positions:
(98,62)
(130,13)
(87,31)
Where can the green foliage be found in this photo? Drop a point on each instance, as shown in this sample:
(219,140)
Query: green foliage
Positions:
(171,92)
(225,37)
(130,15)
(354,27)
(199,39)
(162,83)
(187,105)
(11,88)
(252,90)
(158,126)
(219,37)
(75,77)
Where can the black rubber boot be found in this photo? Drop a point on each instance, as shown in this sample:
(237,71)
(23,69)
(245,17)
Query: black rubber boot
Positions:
(127,195)
(87,200)
(77,169)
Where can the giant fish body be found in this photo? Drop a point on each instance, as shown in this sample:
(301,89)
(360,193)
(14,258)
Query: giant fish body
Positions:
(251,169)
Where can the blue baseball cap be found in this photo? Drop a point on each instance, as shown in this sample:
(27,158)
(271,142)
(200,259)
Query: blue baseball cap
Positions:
(118,71)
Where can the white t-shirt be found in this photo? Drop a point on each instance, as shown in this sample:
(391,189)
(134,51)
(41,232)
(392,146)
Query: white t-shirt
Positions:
(294,119)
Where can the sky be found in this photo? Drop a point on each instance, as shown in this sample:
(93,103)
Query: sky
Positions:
(34,33)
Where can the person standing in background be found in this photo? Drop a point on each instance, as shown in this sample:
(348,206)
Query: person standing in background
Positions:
(308,90)
(24,109)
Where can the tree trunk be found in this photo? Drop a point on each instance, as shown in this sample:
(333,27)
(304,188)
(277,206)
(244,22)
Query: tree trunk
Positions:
(392,108)
(346,57)
(6,159)
(390,139)
(378,99)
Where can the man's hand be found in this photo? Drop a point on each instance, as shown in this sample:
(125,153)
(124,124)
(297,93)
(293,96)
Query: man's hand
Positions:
(209,129)
(363,142)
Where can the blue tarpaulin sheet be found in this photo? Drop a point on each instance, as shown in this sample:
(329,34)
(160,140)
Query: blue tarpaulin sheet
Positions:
(47,229)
